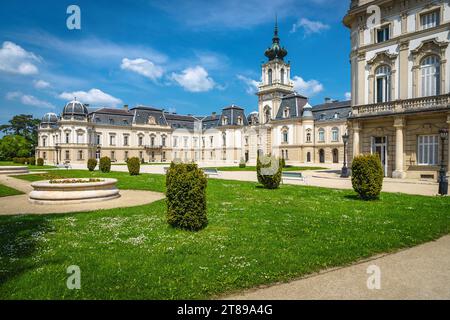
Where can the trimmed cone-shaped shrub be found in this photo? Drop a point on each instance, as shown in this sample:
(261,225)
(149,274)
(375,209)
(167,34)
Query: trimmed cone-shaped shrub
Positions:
(91,164)
(105,164)
(31,161)
(242,163)
(186,197)
(268,170)
(367,176)
(40,162)
(134,166)
(283,163)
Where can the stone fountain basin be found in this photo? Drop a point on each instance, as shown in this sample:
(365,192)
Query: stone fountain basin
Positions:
(45,192)
(13,169)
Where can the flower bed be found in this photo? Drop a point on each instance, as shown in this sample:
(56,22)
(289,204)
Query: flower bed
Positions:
(75,180)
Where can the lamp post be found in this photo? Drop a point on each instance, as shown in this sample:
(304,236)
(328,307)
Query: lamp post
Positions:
(443,181)
(344,172)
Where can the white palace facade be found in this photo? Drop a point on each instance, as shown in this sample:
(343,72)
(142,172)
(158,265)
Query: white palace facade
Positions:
(285,125)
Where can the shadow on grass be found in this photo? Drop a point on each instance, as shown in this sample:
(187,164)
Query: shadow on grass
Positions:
(19,237)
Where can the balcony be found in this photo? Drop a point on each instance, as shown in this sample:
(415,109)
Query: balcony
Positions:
(402,106)
(153,147)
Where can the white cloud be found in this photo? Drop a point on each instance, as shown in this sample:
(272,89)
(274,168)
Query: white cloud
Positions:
(15,59)
(143,67)
(41,84)
(348,96)
(194,79)
(29,100)
(252,85)
(307,88)
(93,96)
(309,27)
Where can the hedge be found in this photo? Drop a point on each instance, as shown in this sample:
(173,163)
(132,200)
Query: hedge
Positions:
(91,164)
(105,164)
(31,161)
(40,162)
(134,166)
(268,170)
(186,197)
(367,176)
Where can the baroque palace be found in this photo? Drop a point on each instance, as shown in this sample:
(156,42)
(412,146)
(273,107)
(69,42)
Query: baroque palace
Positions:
(285,125)
(400,84)
(400,102)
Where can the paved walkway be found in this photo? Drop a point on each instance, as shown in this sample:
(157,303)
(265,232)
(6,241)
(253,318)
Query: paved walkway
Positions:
(422,272)
(19,204)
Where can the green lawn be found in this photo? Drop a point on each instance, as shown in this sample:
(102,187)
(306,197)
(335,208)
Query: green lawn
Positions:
(255,236)
(253,168)
(7,191)
(10,163)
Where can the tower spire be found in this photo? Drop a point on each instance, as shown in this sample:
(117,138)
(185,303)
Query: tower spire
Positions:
(275,51)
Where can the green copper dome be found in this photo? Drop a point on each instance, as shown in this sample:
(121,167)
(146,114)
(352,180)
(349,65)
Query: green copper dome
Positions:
(275,51)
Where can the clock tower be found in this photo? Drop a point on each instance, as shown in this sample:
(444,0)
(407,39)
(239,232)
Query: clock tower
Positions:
(276,80)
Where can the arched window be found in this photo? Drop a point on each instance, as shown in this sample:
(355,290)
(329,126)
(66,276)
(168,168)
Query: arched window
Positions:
(286,112)
(383,84)
(267,114)
(285,135)
(322,156)
(224,121)
(321,135)
(270,76)
(308,137)
(430,76)
(282,76)
(224,139)
(239,120)
(335,134)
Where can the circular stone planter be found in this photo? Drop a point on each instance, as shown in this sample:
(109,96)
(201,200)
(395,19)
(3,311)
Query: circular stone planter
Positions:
(71,193)
(13,170)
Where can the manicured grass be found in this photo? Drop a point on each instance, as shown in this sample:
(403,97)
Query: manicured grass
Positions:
(7,191)
(253,168)
(10,163)
(255,236)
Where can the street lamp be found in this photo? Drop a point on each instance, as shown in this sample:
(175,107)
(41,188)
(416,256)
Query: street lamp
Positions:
(344,172)
(443,181)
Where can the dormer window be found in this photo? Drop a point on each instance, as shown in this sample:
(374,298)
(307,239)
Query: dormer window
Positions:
(383,34)
(336,115)
(430,20)
(286,113)
(224,121)
(322,116)
(111,121)
(239,120)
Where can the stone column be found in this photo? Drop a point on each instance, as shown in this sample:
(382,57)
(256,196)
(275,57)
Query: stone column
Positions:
(356,149)
(399,124)
(404,72)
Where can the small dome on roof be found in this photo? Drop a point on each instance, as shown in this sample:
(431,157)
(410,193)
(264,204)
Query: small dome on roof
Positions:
(50,118)
(307,111)
(75,108)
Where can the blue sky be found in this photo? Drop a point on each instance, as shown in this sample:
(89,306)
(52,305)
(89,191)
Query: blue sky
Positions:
(185,56)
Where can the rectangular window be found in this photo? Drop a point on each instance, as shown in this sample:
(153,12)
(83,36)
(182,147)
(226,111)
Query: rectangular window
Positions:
(141,155)
(80,155)
(428,150)
(140,140)
(44,142)
(126,155)
(67,155)
(98,139)
(175,142)
(125,140)
(164,156)
(67,137)
(383,34)
(112,140)
(430,20)
(163,141)
(113,156)
(152,141)
(186,142)
(44,155)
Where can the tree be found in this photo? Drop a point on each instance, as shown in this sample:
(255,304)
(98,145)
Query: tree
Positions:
(14,146)
(22,125)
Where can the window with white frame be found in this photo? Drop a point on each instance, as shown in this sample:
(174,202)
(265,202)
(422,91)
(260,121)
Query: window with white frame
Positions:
(112,140)
(428,150)
(125,140)
(308,135)
(185,141)
(285,135)
(67,137)
(430,20)
(44,141)
(321,135)
(383,84)
(98,139)
(335,134)
(175,142)
(282,76)
(383,34)
(430,76)
(224,139)
(140,140)
(270,76)
(163,140)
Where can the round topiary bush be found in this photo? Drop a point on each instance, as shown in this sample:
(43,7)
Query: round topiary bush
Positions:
(186,197)
(91,164)
(40,162)
(134,166)
(268,170)
(367,176)
(105,164)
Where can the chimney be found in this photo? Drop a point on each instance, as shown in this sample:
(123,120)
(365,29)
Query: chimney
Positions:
(328,100)
(125,107)
(213,115)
